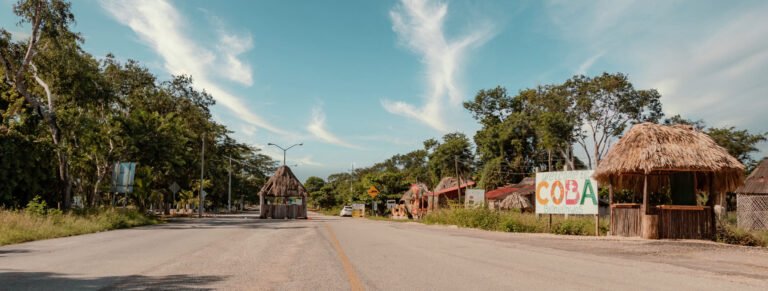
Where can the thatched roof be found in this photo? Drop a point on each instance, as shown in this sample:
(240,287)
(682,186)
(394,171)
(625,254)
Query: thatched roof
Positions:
(757,182)
(650,148)
(515,201)
(413,192)
(283,184)
(503,192)
(450,184)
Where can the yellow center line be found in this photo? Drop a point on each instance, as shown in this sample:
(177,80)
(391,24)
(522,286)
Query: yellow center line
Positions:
(354,282)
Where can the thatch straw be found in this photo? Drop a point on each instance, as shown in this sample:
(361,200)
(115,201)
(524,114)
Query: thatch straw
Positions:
(757,182)
(515,201)
(653,149)
(451,182)
(283,184)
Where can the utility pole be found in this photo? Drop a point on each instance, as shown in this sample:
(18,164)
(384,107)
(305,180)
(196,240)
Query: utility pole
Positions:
(229,188)
(202,173)
(458,180)
(285,149)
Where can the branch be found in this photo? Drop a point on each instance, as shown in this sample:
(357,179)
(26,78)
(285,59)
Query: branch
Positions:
(44,85)
(32,42)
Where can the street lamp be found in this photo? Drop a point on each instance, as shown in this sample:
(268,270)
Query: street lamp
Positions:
(285,149)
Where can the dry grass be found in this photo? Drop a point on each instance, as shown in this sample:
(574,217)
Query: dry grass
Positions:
(512,221)
(17,227)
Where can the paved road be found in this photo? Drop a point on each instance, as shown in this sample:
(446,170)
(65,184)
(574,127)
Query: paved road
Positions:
(328,253)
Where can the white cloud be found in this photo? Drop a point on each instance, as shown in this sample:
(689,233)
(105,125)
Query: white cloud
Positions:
(708,61)
(419,27)
(317,128)
(160,26)
(588,63)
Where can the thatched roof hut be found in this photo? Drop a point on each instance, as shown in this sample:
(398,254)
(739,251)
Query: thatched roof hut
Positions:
(288,188)
(283,184)
(650,148)
(674,159)
(752,199)
(449,187)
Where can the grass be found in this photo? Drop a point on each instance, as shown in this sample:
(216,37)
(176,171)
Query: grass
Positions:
(17,226)
(728,232)
(487,219)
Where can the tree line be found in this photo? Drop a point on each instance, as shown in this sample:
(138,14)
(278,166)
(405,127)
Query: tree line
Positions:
(536,129)
(66,117)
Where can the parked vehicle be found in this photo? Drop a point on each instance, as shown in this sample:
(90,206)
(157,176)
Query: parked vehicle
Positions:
(346,211)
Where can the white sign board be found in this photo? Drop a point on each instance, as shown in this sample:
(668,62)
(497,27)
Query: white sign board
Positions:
(474,198)
(122,177)
(571,192)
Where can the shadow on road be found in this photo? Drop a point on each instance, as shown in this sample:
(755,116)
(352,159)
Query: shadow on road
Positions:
(55,281)
(12,251)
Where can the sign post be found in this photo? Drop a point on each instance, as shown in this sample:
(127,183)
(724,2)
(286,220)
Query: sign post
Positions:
(373,192)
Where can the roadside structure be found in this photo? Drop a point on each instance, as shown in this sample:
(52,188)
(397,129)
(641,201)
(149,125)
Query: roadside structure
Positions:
(516,196)
(447,189)
(283,196)
(752,199)
(414,201)
(655,159)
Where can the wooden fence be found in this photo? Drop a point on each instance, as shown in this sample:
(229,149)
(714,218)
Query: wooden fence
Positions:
(686,222)
(283,211)
(625,220)
(674,221)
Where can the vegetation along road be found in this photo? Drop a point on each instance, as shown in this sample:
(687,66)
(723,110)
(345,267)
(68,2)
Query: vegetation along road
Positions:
(330,253)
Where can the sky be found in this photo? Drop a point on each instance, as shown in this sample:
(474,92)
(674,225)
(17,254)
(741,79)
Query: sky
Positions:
(359,81)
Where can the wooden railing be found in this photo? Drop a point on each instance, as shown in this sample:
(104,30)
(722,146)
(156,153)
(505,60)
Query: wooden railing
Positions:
(625,220)
(686,222)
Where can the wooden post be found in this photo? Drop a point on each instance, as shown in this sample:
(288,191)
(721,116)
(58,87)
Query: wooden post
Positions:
(610,207)
(550,223)
(597,223)
(650,223)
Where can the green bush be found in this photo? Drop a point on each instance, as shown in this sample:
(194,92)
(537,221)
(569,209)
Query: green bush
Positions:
(36,206)
(574,227)
(514,221)
(733,235)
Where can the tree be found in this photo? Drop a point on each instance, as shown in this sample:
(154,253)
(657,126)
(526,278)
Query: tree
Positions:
(739,143)
(605,105)
(452,155)
(49,22)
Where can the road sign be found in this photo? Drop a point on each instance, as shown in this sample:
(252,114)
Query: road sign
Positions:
(174,188)
(122,177)
(373,191)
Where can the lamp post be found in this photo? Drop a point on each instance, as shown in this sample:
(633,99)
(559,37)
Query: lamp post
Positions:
(285,149)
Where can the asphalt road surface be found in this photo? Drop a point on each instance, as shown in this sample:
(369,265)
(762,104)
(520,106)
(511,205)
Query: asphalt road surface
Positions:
(330,253)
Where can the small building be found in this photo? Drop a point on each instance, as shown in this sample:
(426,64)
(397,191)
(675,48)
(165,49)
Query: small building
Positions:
(678,160)
(283,196)
(516,196)
(752,199)
(449,188)
(414,201)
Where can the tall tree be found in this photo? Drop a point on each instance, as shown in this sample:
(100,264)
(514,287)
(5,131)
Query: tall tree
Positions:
(49,24)
(605,105)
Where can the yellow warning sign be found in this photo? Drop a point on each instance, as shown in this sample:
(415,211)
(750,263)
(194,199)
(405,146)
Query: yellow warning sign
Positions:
(373,191)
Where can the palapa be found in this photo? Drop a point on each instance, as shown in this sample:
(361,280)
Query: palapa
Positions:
(752,199)
(650,148)
(283,184)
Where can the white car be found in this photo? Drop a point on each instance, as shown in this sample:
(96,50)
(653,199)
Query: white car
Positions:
(346,211)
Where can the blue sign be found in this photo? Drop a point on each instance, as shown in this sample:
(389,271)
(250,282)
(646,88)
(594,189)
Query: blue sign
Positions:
(122,177)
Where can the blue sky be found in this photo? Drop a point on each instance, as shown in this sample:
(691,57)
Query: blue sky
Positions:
(359,81)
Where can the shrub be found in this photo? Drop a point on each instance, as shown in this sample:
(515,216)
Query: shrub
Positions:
(733,235)
(36,206)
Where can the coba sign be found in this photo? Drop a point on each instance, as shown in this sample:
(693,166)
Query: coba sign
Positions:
(571,192)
